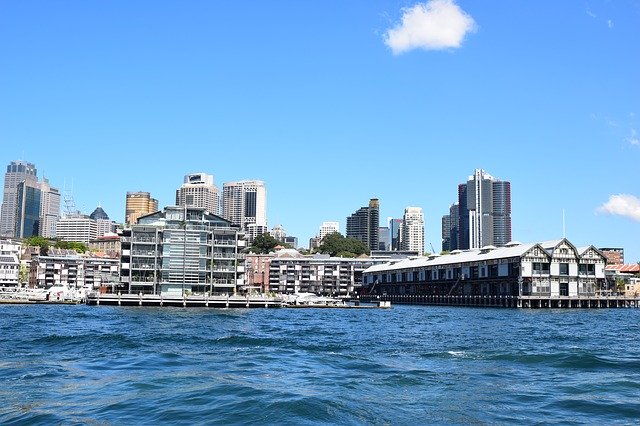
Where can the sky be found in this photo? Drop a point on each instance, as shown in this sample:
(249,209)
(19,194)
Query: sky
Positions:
(332,103)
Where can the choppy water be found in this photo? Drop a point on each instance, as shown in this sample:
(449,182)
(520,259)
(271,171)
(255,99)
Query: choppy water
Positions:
(407,365)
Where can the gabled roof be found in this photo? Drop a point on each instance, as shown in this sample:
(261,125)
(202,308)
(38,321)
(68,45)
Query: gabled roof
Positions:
(466,256)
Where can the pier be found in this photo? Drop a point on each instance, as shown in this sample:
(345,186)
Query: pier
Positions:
(203,301)
(526,302)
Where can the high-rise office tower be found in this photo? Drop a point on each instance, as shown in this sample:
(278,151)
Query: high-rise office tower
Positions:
(395,230)
(199,190)
(327,228)
(77,227)
(27,209)
(139,204)
(245,204)
(413,230)
(17,171)
(450,229)
(104,225)
(384,238)
(364,224)
(49,209)
(484,206)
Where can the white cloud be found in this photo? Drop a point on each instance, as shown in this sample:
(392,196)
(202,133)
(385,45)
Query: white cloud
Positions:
(622,205)
(633,139)
(590,13)
(610,23)
(434,25)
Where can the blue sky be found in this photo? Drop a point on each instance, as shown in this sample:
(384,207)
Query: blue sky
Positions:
(333,103)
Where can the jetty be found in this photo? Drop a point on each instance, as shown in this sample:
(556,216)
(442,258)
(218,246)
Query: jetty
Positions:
(529,302)
(198,300)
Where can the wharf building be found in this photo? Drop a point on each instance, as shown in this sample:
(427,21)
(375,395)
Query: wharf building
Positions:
(288,271)
(244,203)
(484,213)
(364,224)
(199,190)
(139,204)
(182,250)
(550,269)
(62,267)
(17,172)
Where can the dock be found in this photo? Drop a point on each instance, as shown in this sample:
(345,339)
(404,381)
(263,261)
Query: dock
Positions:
(204,300)
(526,302)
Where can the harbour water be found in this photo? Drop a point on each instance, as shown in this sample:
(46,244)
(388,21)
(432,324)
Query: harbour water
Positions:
(406,365)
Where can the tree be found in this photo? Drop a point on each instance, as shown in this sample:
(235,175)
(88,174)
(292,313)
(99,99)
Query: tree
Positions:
(335,244)
(71,245)
(41,242)
(265,243)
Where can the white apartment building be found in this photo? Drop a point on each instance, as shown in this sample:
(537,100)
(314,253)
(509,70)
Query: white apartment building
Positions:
(412,230)
(199,190)
(9,263)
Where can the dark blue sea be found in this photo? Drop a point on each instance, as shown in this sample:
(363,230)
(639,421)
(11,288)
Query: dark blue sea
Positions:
(406,365)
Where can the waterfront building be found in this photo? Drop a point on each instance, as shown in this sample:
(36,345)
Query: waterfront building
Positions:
(199,190)
(182,250)
(104,225)
(413,230)
(49,209)
(623,278)
(9,263)
(548,269)
(615,256)
(17,172)
(66,267)
(77,227)
(28,200)
(245,202)
(364,224)
(291,272)
(395,229)
(139,204)
(257,271)
(484,212)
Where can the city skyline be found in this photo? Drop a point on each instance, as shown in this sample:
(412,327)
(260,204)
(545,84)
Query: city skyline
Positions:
(330,121)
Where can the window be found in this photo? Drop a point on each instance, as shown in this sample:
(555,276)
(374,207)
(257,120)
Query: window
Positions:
(564,269)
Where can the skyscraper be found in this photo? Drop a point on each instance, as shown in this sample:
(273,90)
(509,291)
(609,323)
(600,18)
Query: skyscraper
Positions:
(104,225)
(395,230)
(245,204)
(139,204)
(17,171)
(327,228)
(27,209)
(199,190)
(413,229)
(49,209)
(364,224)
(450,229)
(484,206)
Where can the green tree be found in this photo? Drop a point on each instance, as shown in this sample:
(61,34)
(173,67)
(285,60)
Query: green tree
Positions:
(265,243)
(71,245)
(41,242)
(335,244)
